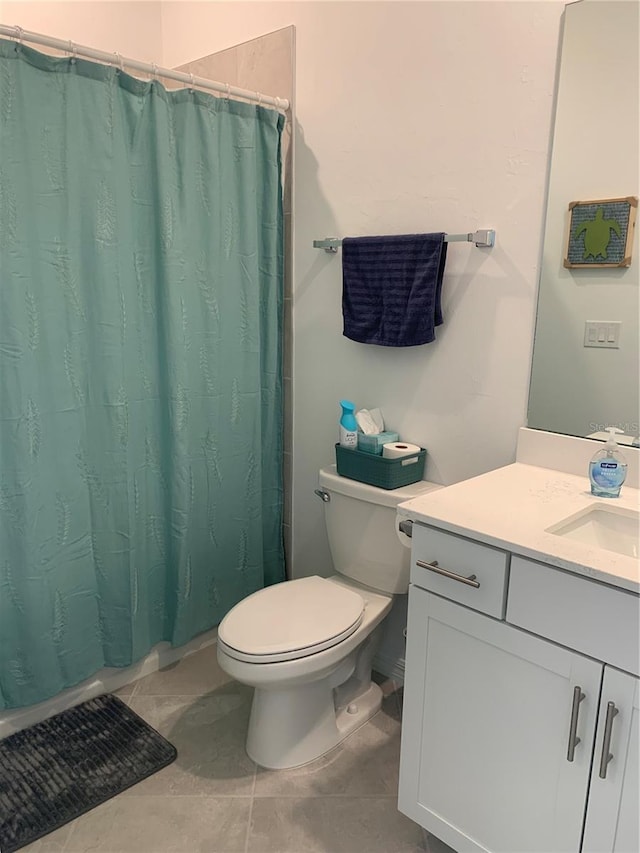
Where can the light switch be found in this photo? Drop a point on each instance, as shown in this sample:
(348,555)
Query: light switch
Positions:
(602,333)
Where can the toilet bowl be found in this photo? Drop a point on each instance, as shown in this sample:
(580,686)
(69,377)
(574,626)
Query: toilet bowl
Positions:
(306,646)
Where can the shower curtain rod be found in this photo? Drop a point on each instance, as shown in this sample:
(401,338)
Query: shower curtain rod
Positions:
(281,104)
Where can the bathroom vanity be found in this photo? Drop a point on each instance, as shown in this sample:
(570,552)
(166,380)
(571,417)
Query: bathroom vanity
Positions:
(521,704)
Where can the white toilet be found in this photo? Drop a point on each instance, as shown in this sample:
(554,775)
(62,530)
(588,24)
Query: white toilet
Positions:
(307,645)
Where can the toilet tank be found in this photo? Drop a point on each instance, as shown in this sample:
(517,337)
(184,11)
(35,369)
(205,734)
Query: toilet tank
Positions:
(360,523)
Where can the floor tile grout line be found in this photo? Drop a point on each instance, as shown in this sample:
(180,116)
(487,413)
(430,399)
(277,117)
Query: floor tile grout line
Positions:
(247,838)
(140,694)
(204,796)
(65,846)
(349,796)
(74,822)
(271,796)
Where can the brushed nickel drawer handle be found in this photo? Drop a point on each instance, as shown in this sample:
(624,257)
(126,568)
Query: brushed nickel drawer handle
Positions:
(433,566)
(606,756)
(574,740)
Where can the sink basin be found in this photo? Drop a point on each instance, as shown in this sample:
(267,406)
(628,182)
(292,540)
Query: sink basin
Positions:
(612,528)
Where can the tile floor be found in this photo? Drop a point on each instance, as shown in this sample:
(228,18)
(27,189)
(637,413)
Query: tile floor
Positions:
(213,798)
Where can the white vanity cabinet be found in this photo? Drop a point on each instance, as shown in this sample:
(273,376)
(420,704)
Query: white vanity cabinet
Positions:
(614,794)
(510,704)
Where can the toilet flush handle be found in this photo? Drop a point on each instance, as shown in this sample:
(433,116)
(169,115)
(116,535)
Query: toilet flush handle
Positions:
(406,526)
(326,497)
(404,530)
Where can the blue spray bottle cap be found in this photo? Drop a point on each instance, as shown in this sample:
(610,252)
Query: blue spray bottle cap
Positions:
(348,419)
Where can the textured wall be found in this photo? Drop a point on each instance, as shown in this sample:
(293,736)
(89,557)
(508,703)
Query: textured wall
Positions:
(131,28)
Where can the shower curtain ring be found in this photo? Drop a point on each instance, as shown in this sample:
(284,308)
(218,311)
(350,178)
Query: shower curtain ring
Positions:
(118,57)
(19,33)
(192,83)
(259,98)
(154,72)
(228,85)
(73,50)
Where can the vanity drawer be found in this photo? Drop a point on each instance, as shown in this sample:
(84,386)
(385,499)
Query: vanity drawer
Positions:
(457,559)
(591,617)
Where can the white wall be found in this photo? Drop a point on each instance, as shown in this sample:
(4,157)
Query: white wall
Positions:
(417,116)
(131,28)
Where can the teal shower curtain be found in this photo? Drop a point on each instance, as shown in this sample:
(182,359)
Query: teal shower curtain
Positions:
(141,277)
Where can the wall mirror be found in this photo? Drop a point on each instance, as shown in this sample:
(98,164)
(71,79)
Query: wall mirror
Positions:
(580,384)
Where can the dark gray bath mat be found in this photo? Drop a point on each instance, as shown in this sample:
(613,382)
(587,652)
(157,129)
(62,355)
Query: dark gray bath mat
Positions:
(60,768)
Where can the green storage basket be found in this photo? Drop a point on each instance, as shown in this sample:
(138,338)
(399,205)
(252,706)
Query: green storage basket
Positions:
(378,471)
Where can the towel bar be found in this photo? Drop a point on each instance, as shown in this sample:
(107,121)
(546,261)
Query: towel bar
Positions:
(484,239)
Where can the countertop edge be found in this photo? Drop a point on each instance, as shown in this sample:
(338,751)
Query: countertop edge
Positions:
(528,553)
(441,518)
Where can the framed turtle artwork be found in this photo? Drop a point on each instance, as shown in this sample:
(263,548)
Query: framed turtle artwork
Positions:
(601,233)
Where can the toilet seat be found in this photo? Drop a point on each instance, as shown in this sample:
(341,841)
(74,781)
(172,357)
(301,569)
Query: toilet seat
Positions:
(290,620)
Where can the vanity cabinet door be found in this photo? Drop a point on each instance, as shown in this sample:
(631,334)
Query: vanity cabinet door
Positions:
(486,729)
(614,797)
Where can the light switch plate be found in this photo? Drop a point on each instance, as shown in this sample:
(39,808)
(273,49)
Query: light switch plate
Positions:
(602,333)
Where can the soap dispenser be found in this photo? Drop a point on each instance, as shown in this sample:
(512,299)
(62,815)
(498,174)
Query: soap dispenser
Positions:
(608,468)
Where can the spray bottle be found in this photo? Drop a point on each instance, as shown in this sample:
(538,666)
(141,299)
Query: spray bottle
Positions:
(348,425)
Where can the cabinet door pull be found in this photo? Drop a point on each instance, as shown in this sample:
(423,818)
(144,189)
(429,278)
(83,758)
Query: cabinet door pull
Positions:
(574,740)
(433,566)
(606,756)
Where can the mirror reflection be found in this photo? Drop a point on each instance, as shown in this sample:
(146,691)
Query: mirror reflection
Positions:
(580,383)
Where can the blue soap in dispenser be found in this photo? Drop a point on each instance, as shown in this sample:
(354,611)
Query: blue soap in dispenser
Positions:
(608,468)
(348,425)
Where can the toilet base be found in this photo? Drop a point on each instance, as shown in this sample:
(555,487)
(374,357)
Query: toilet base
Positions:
(359,711)
(294,726)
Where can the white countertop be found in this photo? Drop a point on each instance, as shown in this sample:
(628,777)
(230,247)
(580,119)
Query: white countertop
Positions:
(511,508)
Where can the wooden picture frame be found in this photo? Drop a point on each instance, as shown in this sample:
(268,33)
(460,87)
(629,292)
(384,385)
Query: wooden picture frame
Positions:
(601,233)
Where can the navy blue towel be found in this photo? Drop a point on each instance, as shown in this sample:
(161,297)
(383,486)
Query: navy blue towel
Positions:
(391,288)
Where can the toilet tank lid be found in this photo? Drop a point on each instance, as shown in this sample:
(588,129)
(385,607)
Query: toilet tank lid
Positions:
(330,480)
